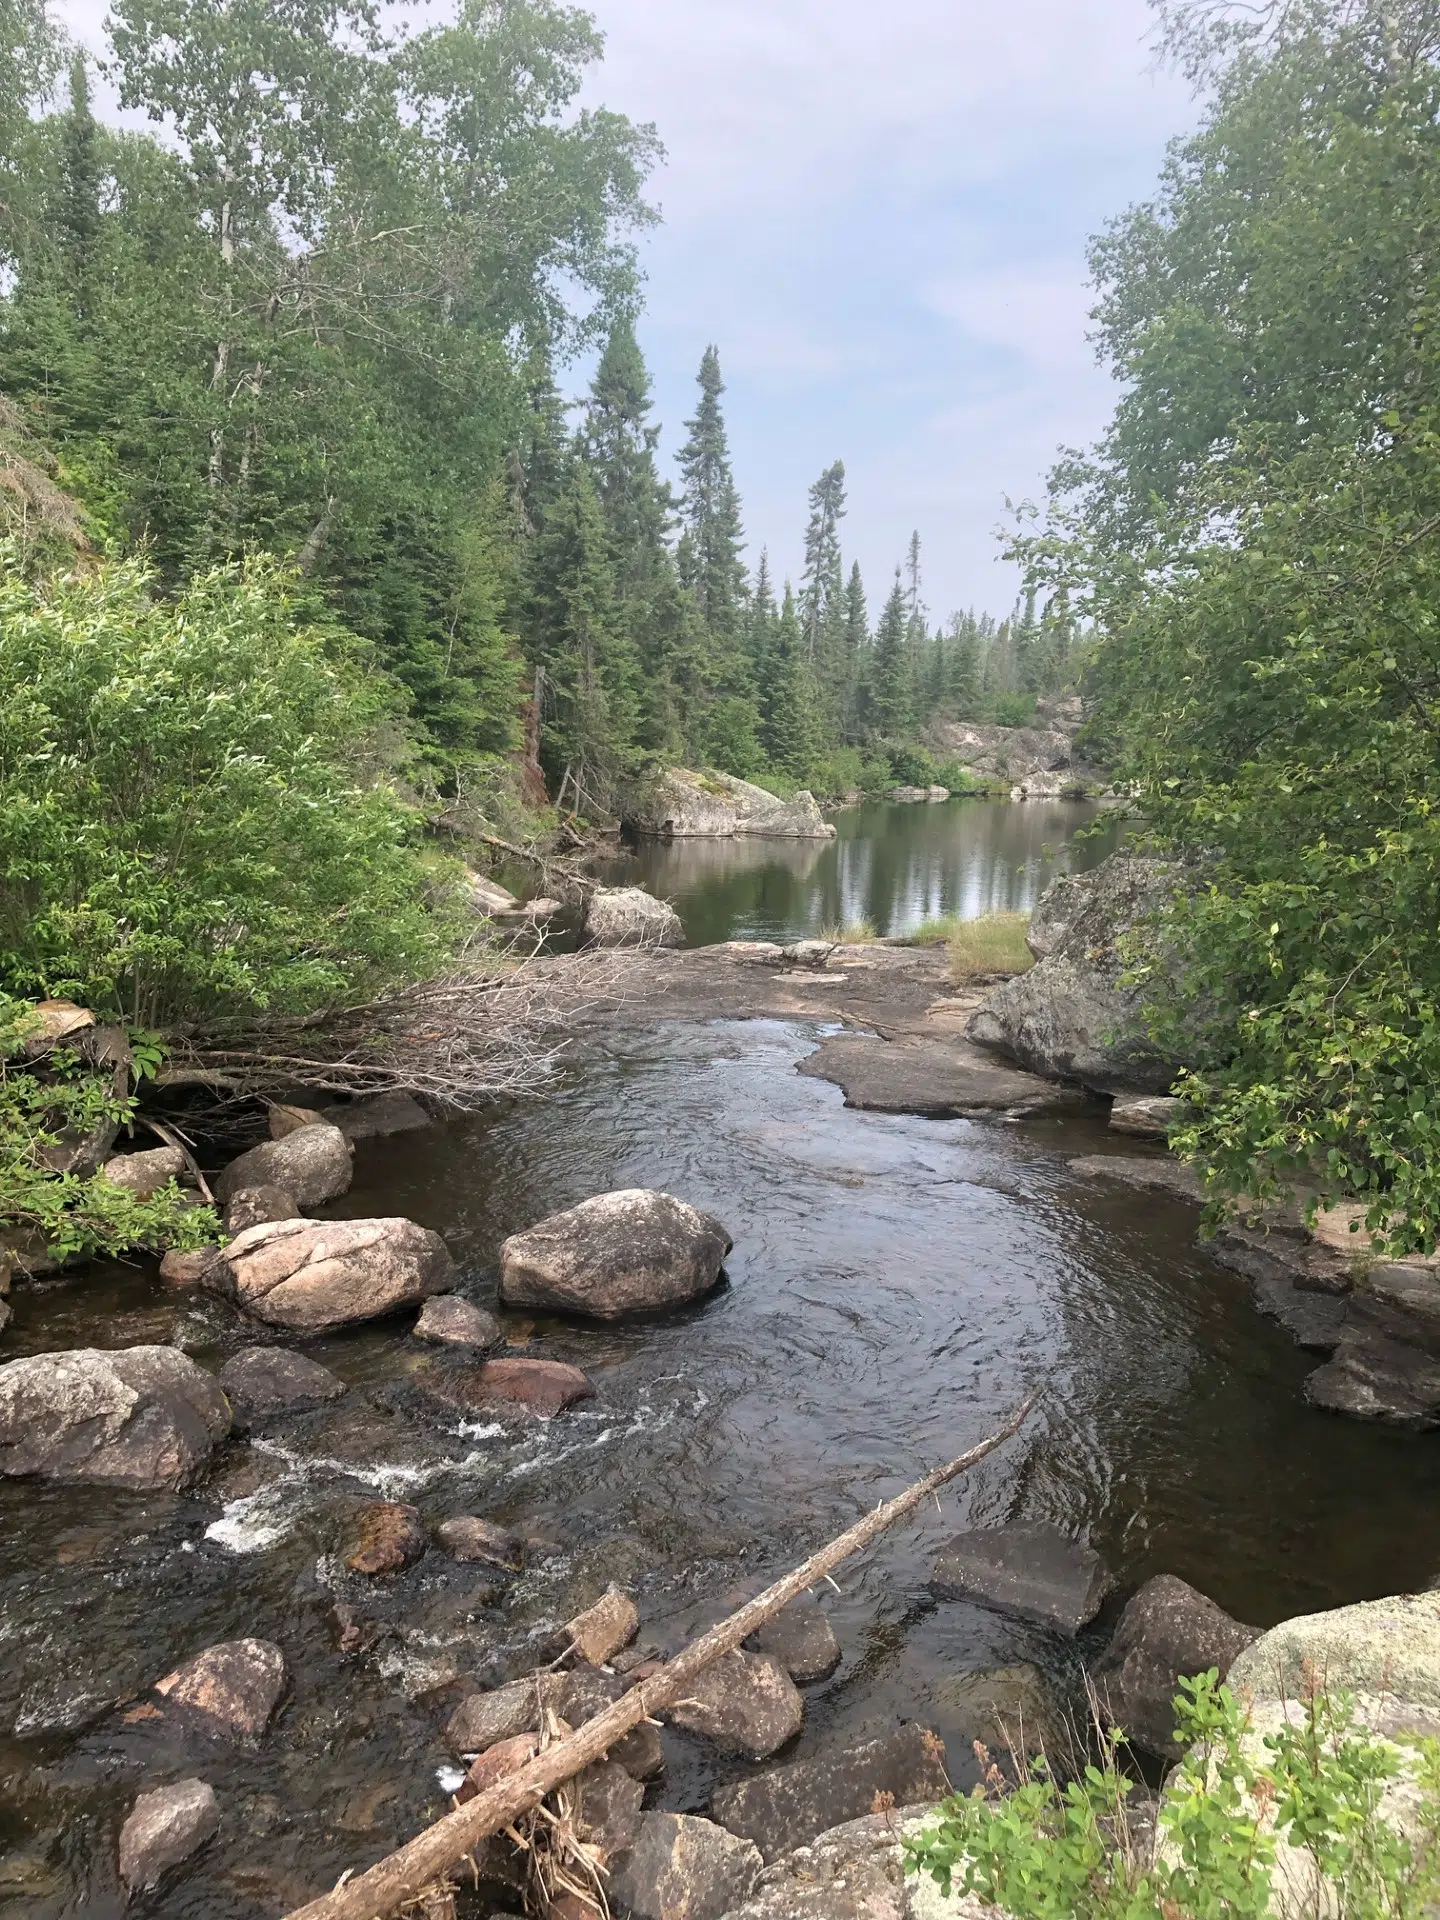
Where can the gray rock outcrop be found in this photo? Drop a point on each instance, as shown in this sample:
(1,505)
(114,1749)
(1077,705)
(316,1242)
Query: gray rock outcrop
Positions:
(261,1382)
(683,1868)
(681,805)
(857,1872)
(1003,753)
(139,1417)
(630,917)
(312,1276)
(1069,1017)
(744,1703)
(1029,1569)
(1167,1632)
(787,1806)
(164,1830)
(312,1163)
(616,1254)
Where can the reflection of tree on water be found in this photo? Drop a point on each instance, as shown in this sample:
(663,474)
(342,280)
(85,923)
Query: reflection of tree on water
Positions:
(895,866)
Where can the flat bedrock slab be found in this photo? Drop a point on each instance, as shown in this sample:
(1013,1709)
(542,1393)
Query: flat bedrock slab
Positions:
(943,1078)
(744,1703)
(313,1163)
(801,1638)
(1168,1631)
(1146,1173)
(1372,1377)
(138,1417)
(628,1252)
(787,1806)
(164,1829)
(1030,1569)
(313,1276)
(682,1868)
(262,1382)
(454,1322)
(235,1686)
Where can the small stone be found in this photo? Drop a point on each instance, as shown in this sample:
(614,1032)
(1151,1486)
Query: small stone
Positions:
(599,1633)
(1029,1569)
(187,1269)
(640,1752)
(390,1538)
(144,1174)
(498,1763)
(485,1719)
(285,1120)
(788,1806)
(744,1703)
(468,1538)
(543,1387)
(236,1685)
(164,1829)
(260,1382)
(1167,1632)
(253,1206)
(801,1638)
(814,954)
(313,1163)
(683,1868)
(457,1323)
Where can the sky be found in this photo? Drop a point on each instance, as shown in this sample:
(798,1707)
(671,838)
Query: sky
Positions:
(877,210)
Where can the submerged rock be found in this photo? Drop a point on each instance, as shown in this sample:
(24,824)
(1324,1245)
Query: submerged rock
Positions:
(788,1806)
(1030,1569)
(633,1251)
(377,1116)
(312,1163)
(260,1382)
(1374,1377)
(235,1686)
(801,1638)
(1147,1173)
(467,1538)
(457,1323)
(681,805)
(139,1417)
(1009,1710)
(1167,1631)
(165,1829)
(389,1538)
(543,1388)
(683,1868)
(313,1276)
(630,917)
(744,1703)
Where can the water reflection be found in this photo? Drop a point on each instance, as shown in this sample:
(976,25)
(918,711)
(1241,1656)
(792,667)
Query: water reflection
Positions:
(895,866)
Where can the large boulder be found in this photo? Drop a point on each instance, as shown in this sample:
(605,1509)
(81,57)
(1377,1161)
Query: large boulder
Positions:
(1029,1569)
(744,1703)
(857,1872)
(680,805)
(1169,1631)
(630,917)
(1069,1017)
(141,1417)
(616,1254)
(312,1164)
(262,1382)
(682,1868)
(312,1276)
(164,1829)
(787,1806)
(144,1174)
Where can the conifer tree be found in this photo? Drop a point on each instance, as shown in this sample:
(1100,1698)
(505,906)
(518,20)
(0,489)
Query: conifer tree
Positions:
(80,189)
(962,693)
(822,584)
(890,666)
(760,622)
(711,511)
(789,726)
(854,653)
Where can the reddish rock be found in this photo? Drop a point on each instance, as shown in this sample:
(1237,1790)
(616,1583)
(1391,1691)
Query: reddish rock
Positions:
(599,1633)
(187,1269)
(235,1684)
(543,1387)
(389,1538)
(498,1763)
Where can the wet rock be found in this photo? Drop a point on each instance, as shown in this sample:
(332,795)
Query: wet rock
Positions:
(165,1829)
(608,1803)
(497,1763)
(1029,1569)
(284,1119)
(630,917)
(1315,1321)
(312,1163)
(679,804)
(465,1537)
(141,1417)
(801,1638)
(144,1174)
(485,1719)
(599,1633)
(542,1387)
(1150,1115)
(1373,1378)
(633,1251)
(856,1872)
(1069,1017)
(260,1382)
(940,1077)
(1168,1631)
(313,1276)
(389,1538)
(640,1753)
(1400,1299)
(377,1116)
(1007,1709)
(683,1868)
(1147,1173)
(457,1323)
(235,1686)
(254,1206)
(788,1806)
(187,1269)
(744,1703)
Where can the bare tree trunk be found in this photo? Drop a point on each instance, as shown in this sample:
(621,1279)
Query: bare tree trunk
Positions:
(308,555)
(401,1876)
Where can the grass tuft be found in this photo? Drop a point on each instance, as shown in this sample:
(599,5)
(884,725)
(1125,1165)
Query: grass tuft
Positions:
(995,943)
(856,933)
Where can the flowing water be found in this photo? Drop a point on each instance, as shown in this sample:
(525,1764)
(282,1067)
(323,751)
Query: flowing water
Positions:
(896,1285)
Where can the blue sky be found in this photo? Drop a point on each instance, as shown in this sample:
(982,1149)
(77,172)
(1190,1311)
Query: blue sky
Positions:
(877,210)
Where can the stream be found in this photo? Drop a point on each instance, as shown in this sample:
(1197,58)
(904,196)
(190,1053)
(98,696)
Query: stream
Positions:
(896,1285)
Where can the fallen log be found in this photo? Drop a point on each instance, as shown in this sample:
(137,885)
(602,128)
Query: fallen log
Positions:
(401,1876)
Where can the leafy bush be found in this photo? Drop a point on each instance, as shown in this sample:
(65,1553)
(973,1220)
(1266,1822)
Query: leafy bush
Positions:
(1052,1852)
(1012,709)
(195,819)
(911,766)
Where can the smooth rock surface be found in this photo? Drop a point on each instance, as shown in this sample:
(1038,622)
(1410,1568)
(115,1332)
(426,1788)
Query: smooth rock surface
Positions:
(138,1417)
(388,1538)
(1167,1632)
(377,1116)
(683,1868)
(786,1807)
(260,1382)
(164,1829)
(468,1538)
(942,1079)
(184,1268)
(144,1174)
(1371,1377)
(1146,1173)
(312,1163)
(680,805)
(744,1703)
(801,1638)
(632,1251)
(543,1388)
(235,1685)
(498,1763)
(1150,1116)
(1030,1569)
(630,917)
(454,1322)
(313,1276)
(285,1118)
(254,1206)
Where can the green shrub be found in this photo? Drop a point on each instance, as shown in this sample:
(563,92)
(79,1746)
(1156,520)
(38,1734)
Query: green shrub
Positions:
(1012,709)
(992,943)
(195,818)
(1048,1851)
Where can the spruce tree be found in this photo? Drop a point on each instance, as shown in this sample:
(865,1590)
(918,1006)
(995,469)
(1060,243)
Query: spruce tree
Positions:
(789,733)
(962,693)
(855,648)
(711,511)
(822,583)
(80,189)
(890,666)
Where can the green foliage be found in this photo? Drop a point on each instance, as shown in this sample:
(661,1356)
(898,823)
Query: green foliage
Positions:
(39,1110)
(195,822)
(1012,709)
(1047,1851)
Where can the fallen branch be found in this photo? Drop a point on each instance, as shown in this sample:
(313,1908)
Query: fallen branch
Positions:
(402,1876)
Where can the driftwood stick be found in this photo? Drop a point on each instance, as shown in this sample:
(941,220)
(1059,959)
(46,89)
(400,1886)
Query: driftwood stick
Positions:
(400,1876)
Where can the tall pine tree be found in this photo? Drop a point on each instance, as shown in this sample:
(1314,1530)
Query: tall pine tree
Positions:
(711,511)
(890,666)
